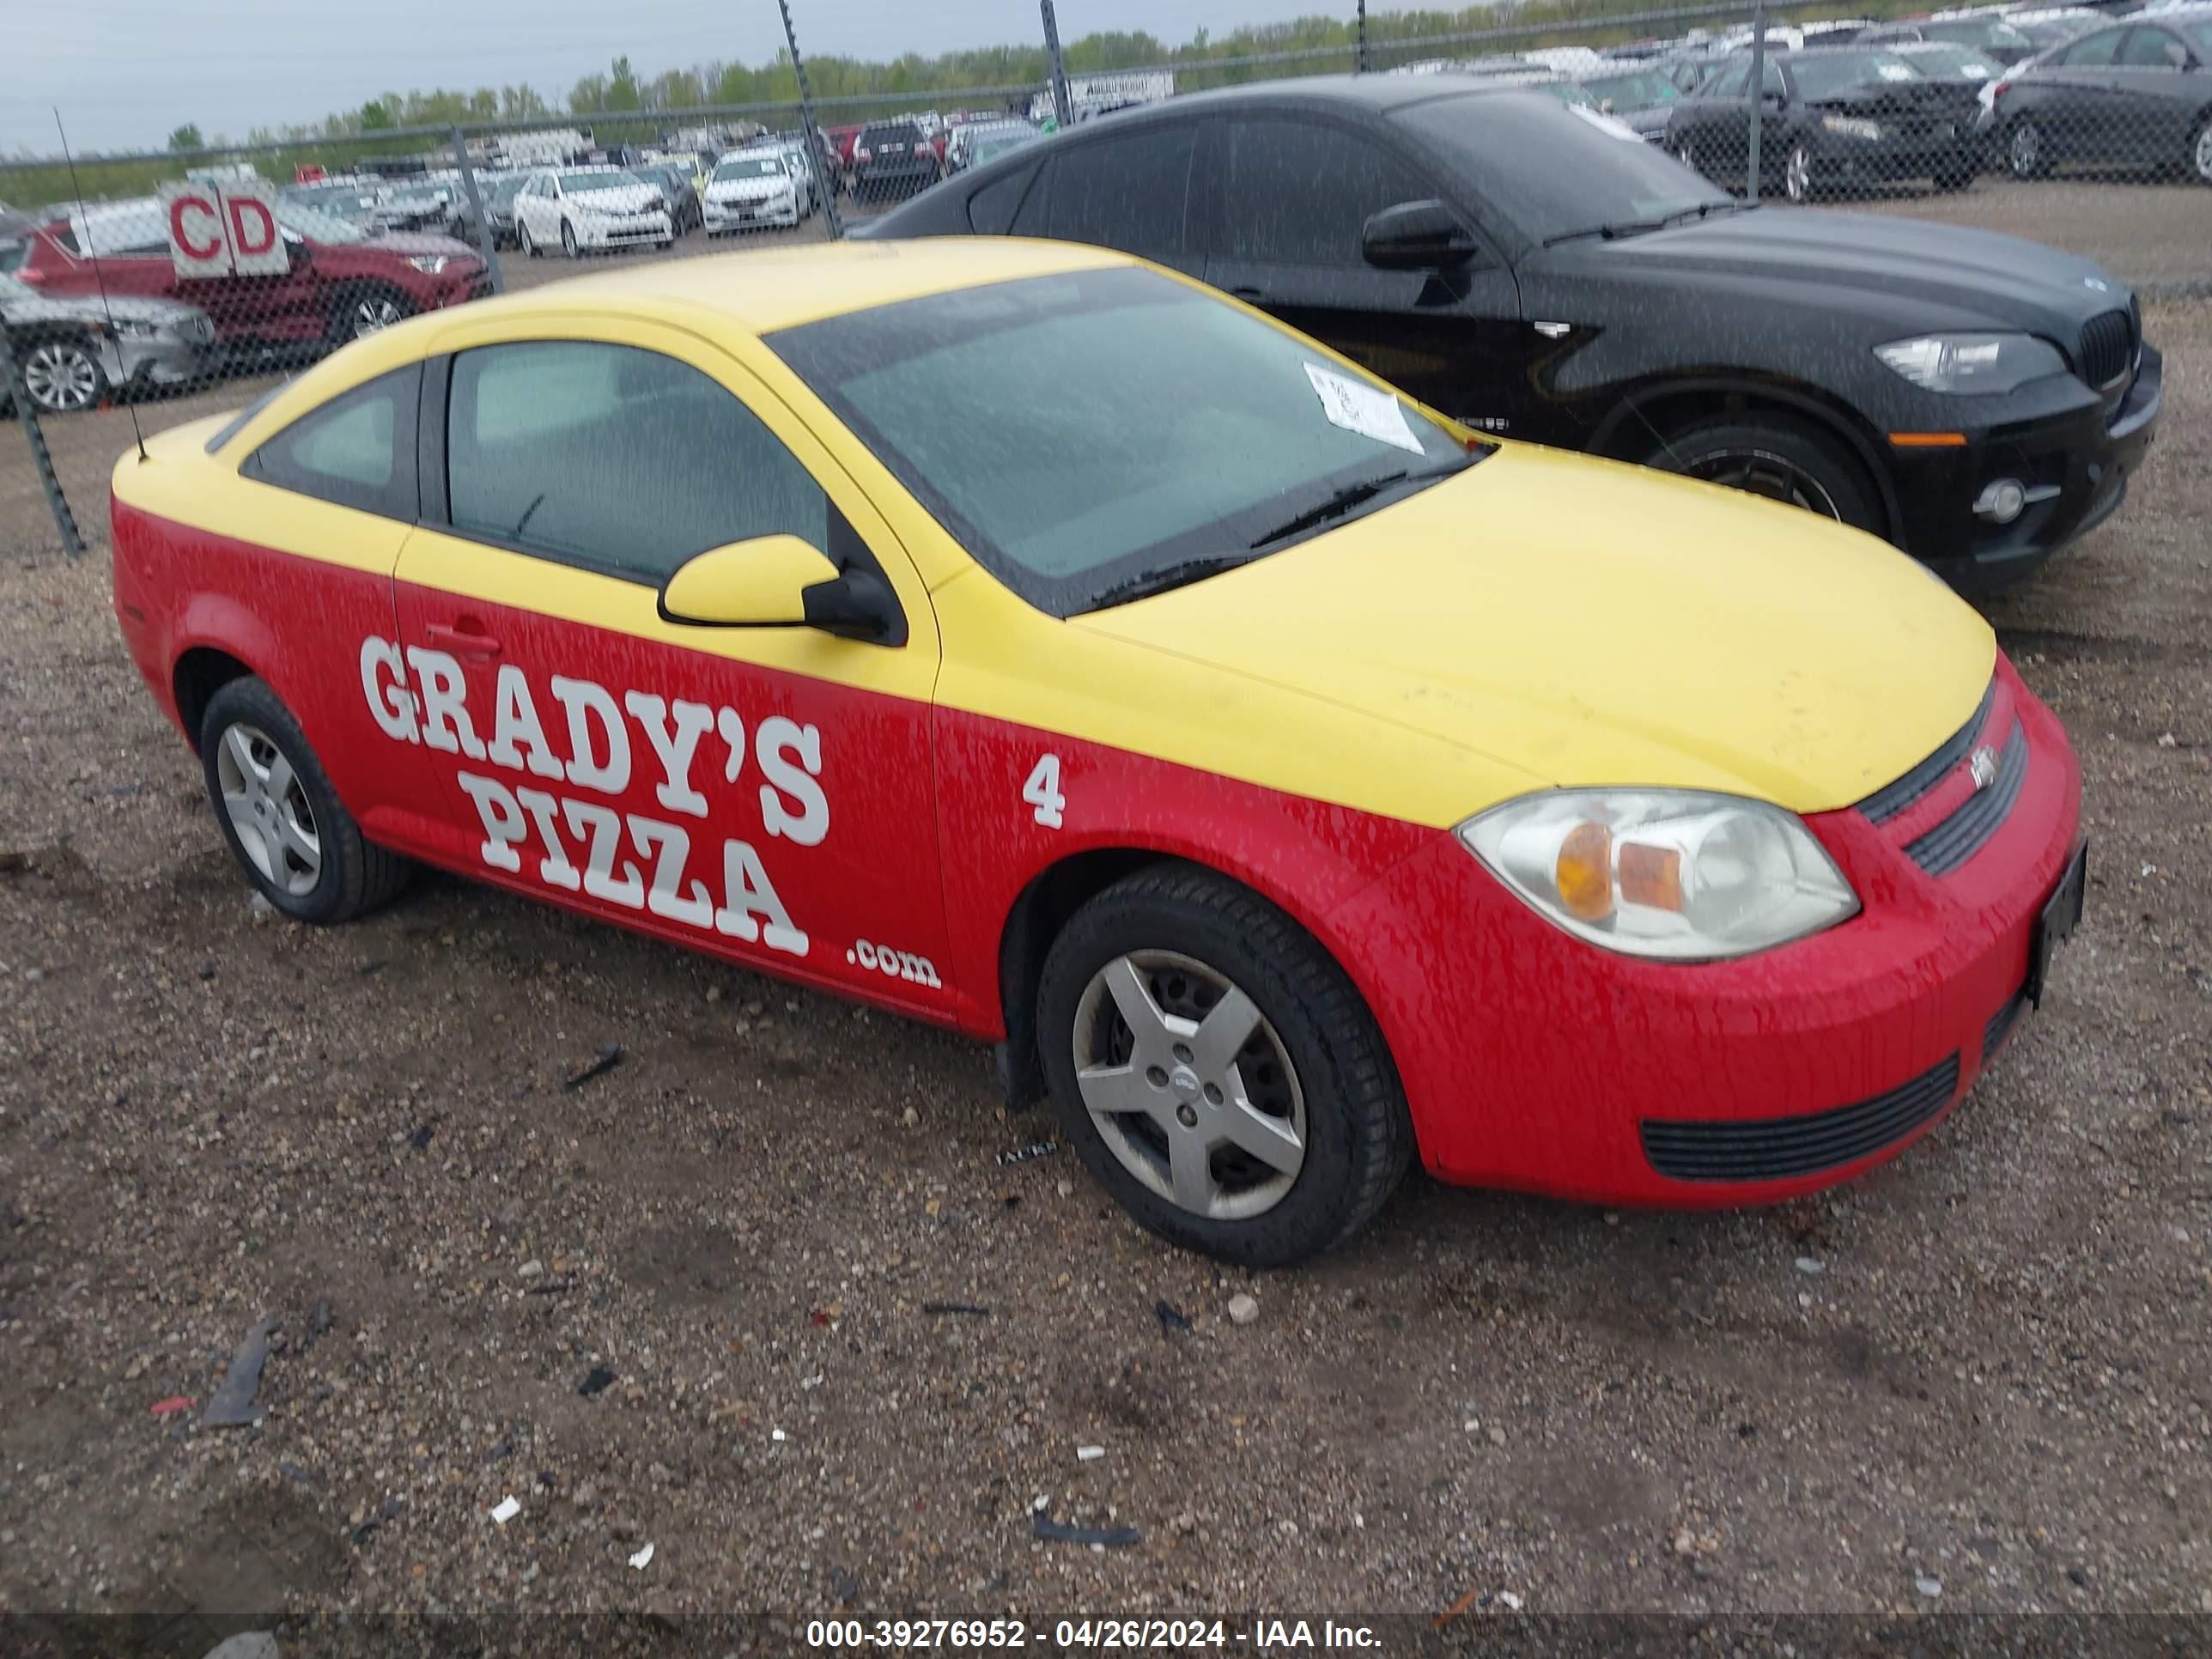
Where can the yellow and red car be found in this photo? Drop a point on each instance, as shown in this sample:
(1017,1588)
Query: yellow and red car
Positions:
(1032,641)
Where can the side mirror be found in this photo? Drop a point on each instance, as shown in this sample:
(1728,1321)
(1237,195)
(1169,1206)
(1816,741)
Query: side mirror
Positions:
(2178,55)
(778,581)
(1415,236)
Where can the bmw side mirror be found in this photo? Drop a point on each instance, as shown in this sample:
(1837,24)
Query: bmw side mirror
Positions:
(1415,236)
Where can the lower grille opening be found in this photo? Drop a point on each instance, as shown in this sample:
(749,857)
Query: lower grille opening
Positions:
(1777,1148)
(2001,1024)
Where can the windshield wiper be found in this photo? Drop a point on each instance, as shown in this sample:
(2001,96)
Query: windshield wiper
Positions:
(1621,227)
(1147,583)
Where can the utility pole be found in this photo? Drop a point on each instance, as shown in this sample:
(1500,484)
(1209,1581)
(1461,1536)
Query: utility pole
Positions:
(815,158)
(1061,114)
(1758,90)
(1361,61)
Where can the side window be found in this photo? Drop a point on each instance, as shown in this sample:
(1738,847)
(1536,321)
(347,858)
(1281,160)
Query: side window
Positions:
(1125,193)
(1731,81)
(2147,49)
(1770,79)
(615,459)
(1030,221)
(357,450)
(2094,51)
(1298,193)
(991,209)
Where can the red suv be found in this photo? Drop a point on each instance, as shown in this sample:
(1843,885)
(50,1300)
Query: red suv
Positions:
(343,282)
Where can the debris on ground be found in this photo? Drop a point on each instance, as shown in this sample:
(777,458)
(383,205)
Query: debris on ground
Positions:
(643,1558)
(596,1381)
(172,1405)
(1060,1532)
(609,1056)
(1024,1154)
(911,1118)
(1811,1264)
(247,1645)
(1244,1309)
(956,1308)
(847,1587)
(1089,1454)
(231,1406)
(260,910)
(420,1140)
(507,1509)
(1172,1318)
(1930,1588)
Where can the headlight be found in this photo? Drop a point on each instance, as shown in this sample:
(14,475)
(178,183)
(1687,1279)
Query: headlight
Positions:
(428,264)
(1972,363)
(1851,127)
(1663,872)
(130,328)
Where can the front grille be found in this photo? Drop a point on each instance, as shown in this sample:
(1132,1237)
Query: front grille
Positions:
(2000,1023)
(1888,803)
(2108,348)
(1967,831)
(1777,1148)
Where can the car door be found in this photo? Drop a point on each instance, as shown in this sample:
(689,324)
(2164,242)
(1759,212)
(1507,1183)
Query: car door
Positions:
(1715,137)
(1285,199)
(1127,189)
(2079,96)
(2152,113)
(762,793)
(530,203)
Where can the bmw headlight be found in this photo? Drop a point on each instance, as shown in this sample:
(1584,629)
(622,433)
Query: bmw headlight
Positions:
(1671,874)
(1972,363)
(1851,127)
(428,264)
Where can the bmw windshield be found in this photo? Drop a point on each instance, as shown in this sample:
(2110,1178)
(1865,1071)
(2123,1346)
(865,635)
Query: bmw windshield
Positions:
(1095,436)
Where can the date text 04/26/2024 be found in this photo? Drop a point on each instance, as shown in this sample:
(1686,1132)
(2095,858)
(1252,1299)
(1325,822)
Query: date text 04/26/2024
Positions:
(1261,1635)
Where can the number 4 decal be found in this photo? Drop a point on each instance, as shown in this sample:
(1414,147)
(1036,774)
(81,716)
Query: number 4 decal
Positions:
(1042,791)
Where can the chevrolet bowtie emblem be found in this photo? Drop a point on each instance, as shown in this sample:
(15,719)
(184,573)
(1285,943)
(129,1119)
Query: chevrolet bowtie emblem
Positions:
(1982,767)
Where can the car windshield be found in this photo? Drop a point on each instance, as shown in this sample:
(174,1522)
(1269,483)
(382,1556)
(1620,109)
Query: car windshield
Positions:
(998,140)
(1827,74)
(504,190)
(317,226)
(1196,430)
(1949,62)
(583,184)
(1554,170)
(1568,92)
(752,167)
(1990,33)
(1639,91)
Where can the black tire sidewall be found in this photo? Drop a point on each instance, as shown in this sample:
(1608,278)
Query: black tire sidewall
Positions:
(338,887)
(1856,503)
(1131,917)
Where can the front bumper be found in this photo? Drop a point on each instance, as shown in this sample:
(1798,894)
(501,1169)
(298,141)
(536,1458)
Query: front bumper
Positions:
(2077,466)
(750,215)
(1535,1061)
(645,231)
(162,360)
(1842,161)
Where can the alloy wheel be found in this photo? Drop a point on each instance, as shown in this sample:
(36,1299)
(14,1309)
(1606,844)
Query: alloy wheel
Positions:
(373,314)
(1797,176)
(522,240)
(1762,472)
(568,239)
(2204,153)
(269,810)
(1191,1089)
(61,377)
(2025,149)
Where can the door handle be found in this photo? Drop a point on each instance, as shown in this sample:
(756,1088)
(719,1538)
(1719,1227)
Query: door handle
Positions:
(466,638)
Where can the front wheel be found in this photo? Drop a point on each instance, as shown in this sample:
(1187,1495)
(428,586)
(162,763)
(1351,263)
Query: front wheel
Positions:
(61,376)
(360,311)
(2024,151)
(524,241)
(1216,1071)
(285,823)
(569,240)
(2200,152)
(1779,458)
(1797,175)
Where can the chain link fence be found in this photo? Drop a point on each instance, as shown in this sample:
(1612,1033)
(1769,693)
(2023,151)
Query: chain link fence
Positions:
(163,275)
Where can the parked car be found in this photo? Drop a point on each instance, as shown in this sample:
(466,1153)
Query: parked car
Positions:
(1639,95)
(749,190)
(2054,26)
(1987,32)
(589,210)
(2137,93)
(674,183)
(342,283)
(1249,717)
(1978,400)
(1832,119)
(353,200)
(75,351)
(892,160)
(975,141)
(424,205)
(1967,66)
(496,191)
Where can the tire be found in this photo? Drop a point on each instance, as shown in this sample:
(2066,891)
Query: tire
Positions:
(1321,1094)
(1778,455)
(1797,183)
(2200,151)
(522,240)
(360,309)
(61,373)
(569,240)
(249,742)
(2026,153)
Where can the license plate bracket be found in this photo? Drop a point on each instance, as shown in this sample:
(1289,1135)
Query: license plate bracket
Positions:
(2060,916)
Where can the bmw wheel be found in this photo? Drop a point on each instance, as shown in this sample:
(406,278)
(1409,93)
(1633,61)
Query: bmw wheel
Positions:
(2024,151)
(61,376)
(1776,456)
(569,240)
(1217,1072)
(285,823)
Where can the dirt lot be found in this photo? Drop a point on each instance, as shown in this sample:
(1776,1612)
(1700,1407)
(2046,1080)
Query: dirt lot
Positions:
(1983,1370)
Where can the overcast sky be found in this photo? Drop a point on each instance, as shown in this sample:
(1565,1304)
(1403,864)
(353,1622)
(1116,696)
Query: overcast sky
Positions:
(125,72)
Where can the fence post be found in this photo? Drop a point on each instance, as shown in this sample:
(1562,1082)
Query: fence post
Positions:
(821,162)
(65,521)
(1063,117)
(1758,90)
(1360,62)
(485,240)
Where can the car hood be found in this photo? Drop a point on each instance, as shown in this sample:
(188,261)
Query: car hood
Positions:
(1590,623)
(745,189)
(403,243)
(1898,273)
(629,198)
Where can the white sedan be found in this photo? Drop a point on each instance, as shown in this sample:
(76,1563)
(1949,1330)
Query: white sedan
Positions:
(751,188)
(576,209)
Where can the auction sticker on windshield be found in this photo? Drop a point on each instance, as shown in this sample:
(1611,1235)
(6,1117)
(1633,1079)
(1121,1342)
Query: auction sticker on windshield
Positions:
(1362,408)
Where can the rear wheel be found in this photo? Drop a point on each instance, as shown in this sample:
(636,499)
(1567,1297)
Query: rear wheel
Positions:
(285,825)
(2024,151)
(1776,457)
(1216,1071)
(2200,151)
(61,374)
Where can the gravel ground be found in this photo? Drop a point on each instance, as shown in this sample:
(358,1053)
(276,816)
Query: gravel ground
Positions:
(1983,1370)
